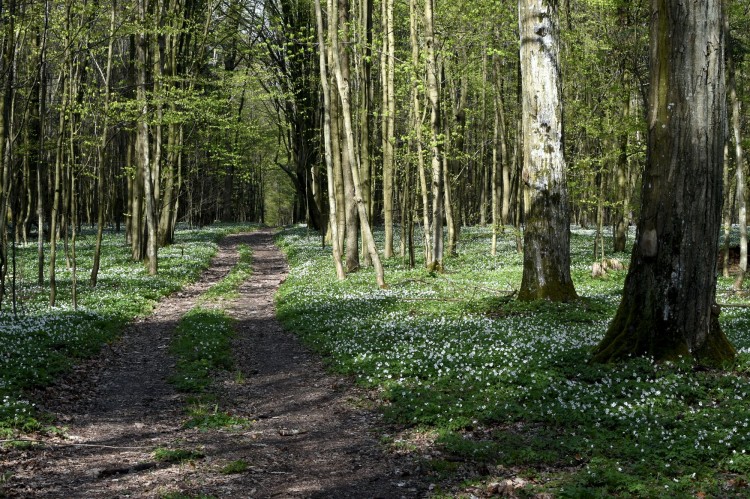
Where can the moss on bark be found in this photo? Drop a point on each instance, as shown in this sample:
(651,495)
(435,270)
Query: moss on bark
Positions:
(638,331)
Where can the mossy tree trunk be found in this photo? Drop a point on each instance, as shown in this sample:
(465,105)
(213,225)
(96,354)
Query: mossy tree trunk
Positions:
(546,255)
(668,307)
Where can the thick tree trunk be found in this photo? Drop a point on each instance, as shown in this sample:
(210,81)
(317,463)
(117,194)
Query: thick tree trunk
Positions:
(668,308)
(546,256)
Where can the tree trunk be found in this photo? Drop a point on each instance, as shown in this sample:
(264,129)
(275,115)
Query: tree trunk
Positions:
(102,152)
(55,211)
(546,256)
(332,212)
(668,308)
(7,66)
(727,211)
(143,143)
(739,157)
(436,264)
(621,181)
(343,87)
(418,121)
(366,99)
(389,112)
(338,170)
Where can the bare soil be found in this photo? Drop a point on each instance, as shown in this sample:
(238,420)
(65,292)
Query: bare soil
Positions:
(313,435)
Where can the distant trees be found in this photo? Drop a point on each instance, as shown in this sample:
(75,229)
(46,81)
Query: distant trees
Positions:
(125,114)
(423,114)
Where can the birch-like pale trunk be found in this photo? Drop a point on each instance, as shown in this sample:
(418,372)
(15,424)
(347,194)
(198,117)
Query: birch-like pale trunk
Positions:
(332,208)
(344,94)
(418,121)
(739,157)
(546,252)
(433,95)
(389,105)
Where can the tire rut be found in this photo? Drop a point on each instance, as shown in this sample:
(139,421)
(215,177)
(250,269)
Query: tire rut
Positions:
(309,437)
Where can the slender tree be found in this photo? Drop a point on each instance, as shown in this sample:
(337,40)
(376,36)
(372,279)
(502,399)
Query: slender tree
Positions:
(342,82)
(389,116)
(332,209)
(433,94)
(143,141)
(102,149)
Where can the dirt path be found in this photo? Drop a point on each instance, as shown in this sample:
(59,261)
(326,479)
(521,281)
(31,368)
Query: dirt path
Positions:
(309,438)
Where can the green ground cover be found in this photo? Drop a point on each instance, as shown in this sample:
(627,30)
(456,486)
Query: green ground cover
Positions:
(507,386)
(202,346)
(41,341)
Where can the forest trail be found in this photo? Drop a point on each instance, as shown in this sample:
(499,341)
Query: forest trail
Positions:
(309,437)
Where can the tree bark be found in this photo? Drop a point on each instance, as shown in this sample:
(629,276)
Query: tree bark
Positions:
(546,256)
(739,157)
(344,93)
(332,212)
(418,121)
(436,263)
(668,308)
(389,112)
(102,151)
(143,143)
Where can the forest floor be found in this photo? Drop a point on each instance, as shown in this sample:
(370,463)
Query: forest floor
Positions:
(312,434)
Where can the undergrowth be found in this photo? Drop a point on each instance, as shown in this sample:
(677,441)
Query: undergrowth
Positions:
(507,386)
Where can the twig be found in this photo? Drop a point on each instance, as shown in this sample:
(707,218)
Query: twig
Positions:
(70,444)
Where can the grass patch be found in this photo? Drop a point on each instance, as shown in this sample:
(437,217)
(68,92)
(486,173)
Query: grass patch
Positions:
(235,467)
(202,345)
(163,455)
(206,417)
(227,288)
(508,384)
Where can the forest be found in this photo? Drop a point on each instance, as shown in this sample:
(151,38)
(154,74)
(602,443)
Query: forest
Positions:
(519,227)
